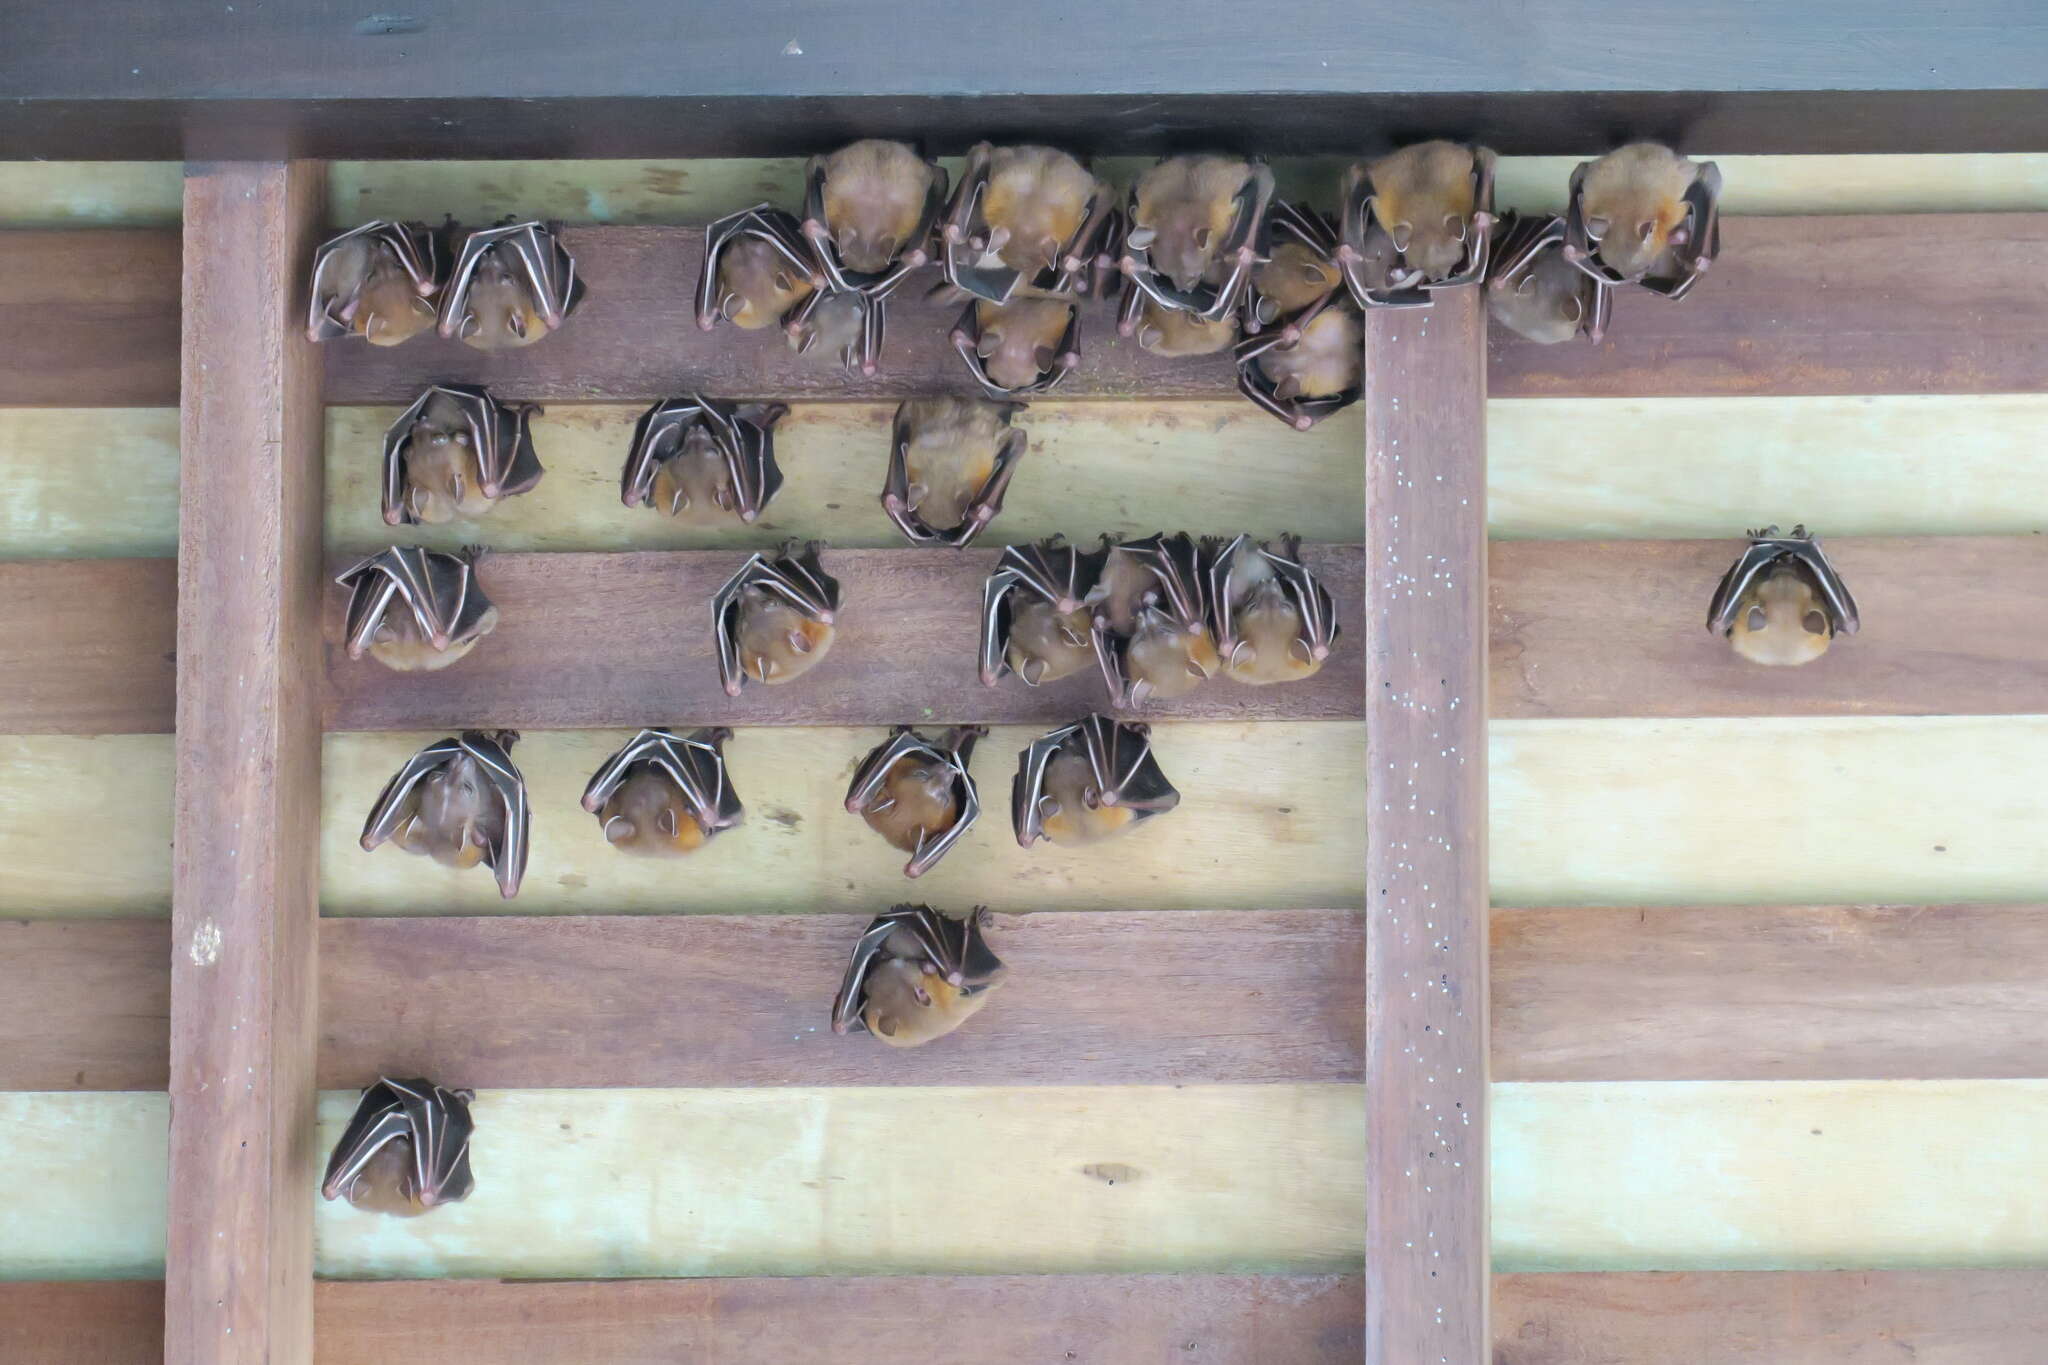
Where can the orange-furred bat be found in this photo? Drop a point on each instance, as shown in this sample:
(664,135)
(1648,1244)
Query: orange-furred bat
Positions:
(456,452)
(405,1151)
(775,619)
(1275,621)
(917,974)
(1085,782)
(1782,603)
(950,463)
(511,285)
(416,610)
(374,282)
(1034,619)
(917,793)
(460,801)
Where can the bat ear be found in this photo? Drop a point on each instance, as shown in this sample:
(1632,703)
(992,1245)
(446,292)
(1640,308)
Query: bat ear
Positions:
(1203,236)
(1141,238)
(1596,228)
(1400,234)
(1046,357)
(1756,618)
(991,341)
(1454,224)
(1815,623)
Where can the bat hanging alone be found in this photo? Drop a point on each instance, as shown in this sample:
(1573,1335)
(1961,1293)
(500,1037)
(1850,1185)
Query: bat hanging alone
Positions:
(512,285)
(917,974)
(1088,781)
(665,794)
(917,793)
(416,610)
(775,619)
(703,462)
(950,463)
(1034,620)
(454,453)
(375,282)
(1275,621)
(1149,621)
(1194,231)
(460,801)
(1782,603)
(1644,215)
(405,1151)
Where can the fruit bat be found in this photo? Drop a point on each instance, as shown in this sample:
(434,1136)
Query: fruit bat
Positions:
(1534,291)
(454,453)
(1300,276)
(374,282)
(1644,215)
(1034,622)
(1782,602)
(702,461)
(1275,621)
(1023,219)
(1432,204)
(1303,380)
(512,284)
(758,269)
(1025,346)
(1088,781)
(917,793)
(845,329)
(405,1152)
(415,610)
(916,974)
(1148,623)
(665,794)
(950,462)
(1171,332)
(460,802)
(775,619)
(1195,231)
(869,211)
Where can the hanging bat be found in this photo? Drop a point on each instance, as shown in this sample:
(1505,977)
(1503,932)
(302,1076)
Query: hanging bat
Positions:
(1305,380)
(1300,277)
(916,974)
(1432,205)
(1275,621)
(703,462)
(918,794)
(1025,346)
(1782,603)
(512,285)
(374,282)
(460,802)
(405,1152)
(1194,232)
(757,269)
(665,794)
(775,619)
(1023,219)
(869,211)
(1171,332)
(1149,626)
(1088,781)
(844,329)
(1644,215)
(415,610)
(1536,292)
(1033,619)
(950,463)
(454,453)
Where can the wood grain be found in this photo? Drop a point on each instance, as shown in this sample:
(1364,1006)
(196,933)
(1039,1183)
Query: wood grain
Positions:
(85,1005)
(91,646)
(93,315)
(245,878)
(82,1322)
(1425,834)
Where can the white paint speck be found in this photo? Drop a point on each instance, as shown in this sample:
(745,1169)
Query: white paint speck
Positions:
(205,949)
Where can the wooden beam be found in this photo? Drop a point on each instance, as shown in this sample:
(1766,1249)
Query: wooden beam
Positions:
(1425,833)
(97,646)
(93,314)
(85,1004)
(244,897)
(82,1322)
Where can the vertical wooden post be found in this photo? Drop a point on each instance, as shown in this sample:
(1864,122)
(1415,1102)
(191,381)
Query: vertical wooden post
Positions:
(1426,1259)
(245,885)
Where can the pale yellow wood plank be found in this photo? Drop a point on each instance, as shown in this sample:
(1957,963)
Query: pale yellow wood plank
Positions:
(793,1182)
(1770,1175)
(85,825)
(96,483)
(62,194)
(1925,809)
(1269,817)
(1959,183)
(84,1179)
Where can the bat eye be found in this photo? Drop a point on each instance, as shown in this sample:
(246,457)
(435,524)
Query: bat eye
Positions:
(1141,238)
(1596,228)
(1815,623)
(1756,618)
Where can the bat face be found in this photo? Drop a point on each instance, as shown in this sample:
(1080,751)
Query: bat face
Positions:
(460,801)
(917,974)
(917,793)
(1171,332)
(703,462)
(1023,218)
(869,212)
(1308,369)
(1195,231)
(1025,346)
(665,794)
(1536,292)
(374,282)
(758,269)
(416,610)
(1034,621)
(1417,220)
(1782,603)
(454,453)
(1275,622)
(1644,215)
(950,463)
(1150,627)
(405,1151)
(774,620)
(511,285)
(1087,782)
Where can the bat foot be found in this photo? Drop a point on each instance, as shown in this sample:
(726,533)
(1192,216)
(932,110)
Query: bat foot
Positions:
(913,871)
(1128,265)
(958,336)
(1303,423)
(732,689)
(705,324)
(916,257)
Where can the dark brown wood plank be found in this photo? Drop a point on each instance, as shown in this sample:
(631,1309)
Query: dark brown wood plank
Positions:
(84,1322)
(1931,1317)
(1617,628)
(85,1004)
(625,640)
(514,1002)
(245,900)
(88,646)
(1426,1251)
(91,316)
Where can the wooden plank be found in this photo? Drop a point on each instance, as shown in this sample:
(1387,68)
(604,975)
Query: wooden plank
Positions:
(85,825)
(82,1322)
(1425,834)
(1769,993)
(245,900)
(628,1001)
(97,483)
(84,1175)
(95,646)
(906,650)
(85,1005)
(102,307)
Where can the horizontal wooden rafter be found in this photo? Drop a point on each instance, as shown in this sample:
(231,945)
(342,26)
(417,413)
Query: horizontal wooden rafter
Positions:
(1795,305)
(91,646)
